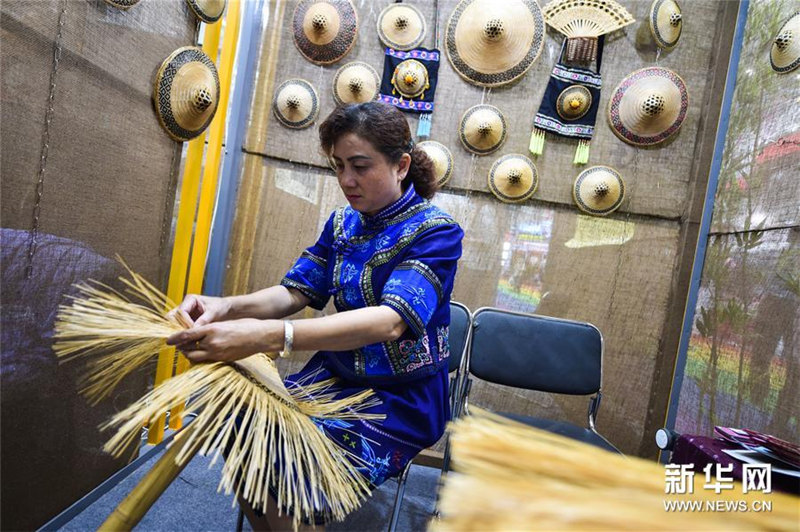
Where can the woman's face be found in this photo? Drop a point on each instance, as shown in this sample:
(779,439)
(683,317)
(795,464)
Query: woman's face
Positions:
(367,178)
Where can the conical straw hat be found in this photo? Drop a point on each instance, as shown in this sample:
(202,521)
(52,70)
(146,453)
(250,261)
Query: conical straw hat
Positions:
(513,178)
(209,11)
(296,104)
(186,93)
(666,23)
(410,78)
(483,129)
(784,55)
(122,4)
(325,30)
(648,106)
(574,102)
(442,160)
(599,190)
(491,43)
(355,82)
(401,26)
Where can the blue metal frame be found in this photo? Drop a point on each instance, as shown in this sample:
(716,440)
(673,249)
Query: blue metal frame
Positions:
(705,225)
(229,178)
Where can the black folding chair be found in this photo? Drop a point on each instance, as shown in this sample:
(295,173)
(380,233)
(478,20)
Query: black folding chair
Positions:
(460,330)
(543,354)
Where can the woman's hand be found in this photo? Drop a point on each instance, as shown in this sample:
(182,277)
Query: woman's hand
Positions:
(229,340)
(204,309)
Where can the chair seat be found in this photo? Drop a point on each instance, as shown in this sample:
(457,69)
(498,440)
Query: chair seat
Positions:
(564,429)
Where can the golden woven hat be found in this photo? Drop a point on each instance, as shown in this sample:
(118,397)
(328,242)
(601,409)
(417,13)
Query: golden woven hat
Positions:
(296,104)
(401,26)
(784,55)
(186,93)
(482,129)
(666,23)
(442,160)
(209,11)
(599,190)
(410,79)
(325,30)
(513,178)
(574,102)
(491,43)
(648,106)
(122,4)
(356,82)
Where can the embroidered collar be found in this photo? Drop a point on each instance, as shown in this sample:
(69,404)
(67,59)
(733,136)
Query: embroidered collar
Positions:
(382,217)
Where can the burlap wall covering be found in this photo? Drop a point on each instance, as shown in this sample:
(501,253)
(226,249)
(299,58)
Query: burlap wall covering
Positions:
(108,187)
(622,273)
(743,365)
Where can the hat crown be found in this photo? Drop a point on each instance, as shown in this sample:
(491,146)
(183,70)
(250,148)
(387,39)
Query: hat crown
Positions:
(484,128)
(201,99)
(319,22)
(401,22)
(514,176)
(493,29)
(355,85)
(653,105)
(783,39)
(675,19)
(293,101)
(601,190)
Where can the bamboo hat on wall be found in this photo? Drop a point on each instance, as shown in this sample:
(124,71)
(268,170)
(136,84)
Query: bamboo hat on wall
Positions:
(356,82)
(648,106)
(483,129)
(666,23)
(186,93)
(410,79)
(513,178)
(209,11)
(599,190)
(325,30)
(491,43)
(784,55)
(442,160)
(401,26)
(296,104)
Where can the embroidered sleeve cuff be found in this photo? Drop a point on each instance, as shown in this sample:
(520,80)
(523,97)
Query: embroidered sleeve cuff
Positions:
(318,300)
(406,311)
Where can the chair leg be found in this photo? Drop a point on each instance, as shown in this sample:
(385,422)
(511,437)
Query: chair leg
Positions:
(398,498)
(240,521)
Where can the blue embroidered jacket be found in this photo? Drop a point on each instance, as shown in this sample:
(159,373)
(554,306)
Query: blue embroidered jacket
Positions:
(404,257)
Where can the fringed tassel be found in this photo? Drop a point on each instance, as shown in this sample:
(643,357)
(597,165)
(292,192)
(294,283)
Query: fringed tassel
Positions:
(424,126)
(537,141)
(581,152)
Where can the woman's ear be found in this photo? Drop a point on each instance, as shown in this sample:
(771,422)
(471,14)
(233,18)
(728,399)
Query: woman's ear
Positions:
(403,165)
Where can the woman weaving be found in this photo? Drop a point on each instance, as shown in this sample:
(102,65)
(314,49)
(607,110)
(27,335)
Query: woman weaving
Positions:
(388,260)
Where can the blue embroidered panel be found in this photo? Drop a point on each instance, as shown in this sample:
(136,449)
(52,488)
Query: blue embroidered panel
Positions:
(405,257)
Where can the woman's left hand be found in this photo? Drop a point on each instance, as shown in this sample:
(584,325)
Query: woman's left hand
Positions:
(227,341)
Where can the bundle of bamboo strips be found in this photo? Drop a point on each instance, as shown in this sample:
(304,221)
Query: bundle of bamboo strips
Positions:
(242,408)
(509,476)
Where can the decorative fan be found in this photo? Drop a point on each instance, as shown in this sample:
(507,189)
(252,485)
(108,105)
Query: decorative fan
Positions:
(583,21)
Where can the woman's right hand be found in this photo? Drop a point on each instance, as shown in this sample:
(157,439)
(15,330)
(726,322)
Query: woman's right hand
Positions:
(204,309)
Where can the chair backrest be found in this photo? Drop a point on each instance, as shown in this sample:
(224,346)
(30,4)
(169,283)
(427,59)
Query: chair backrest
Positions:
(460,325)
(536,352)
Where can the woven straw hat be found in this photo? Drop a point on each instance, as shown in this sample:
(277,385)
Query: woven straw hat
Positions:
(482,129)
(209,11)
(574,102)
(296,104)
(355,82)
(666,23)
(513,178)
(325,30)
(491,43)
(442,160)
(186,93)
(784,55)
(648,106)
(401,26)
(599,190)
(122,4)
(410,79)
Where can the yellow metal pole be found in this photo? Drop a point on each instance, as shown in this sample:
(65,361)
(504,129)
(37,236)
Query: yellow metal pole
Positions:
(183,234)
(208,191)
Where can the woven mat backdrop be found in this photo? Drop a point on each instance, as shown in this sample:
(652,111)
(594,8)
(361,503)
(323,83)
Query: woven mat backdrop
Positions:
(108,187)
(543,256)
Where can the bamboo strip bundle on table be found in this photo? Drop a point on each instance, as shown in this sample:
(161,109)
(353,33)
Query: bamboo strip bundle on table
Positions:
(509,476)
